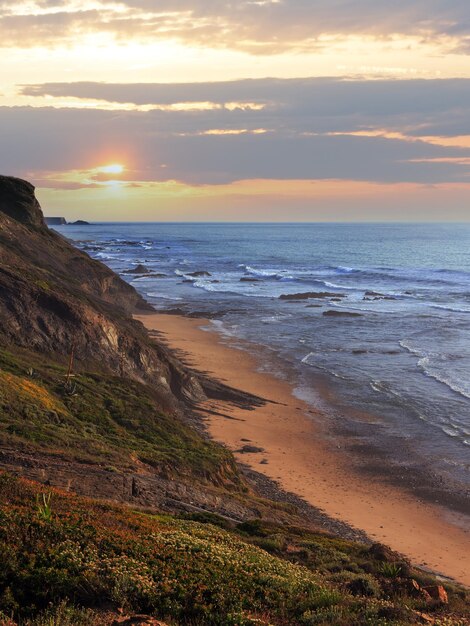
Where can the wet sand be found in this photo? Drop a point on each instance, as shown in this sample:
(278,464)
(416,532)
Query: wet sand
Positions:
(300,459)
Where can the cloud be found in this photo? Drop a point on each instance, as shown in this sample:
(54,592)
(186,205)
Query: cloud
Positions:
(174,145)
(300,105)
(255,27)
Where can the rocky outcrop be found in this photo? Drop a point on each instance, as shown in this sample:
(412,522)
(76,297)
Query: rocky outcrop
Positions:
(335,313)
(17,200)
(56,300)
(310,295)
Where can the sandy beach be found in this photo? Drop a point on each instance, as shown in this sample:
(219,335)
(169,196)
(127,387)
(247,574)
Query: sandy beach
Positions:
(299,458)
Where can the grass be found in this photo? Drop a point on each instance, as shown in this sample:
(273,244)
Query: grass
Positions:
(88,559)
(107,420)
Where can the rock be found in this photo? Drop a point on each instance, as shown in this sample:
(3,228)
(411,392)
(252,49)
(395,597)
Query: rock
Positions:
(310,294)
(138,269)
(424,618)
(80,223)
(437,592)
(417,591)
(17,200)
(334,313)
(264,462)
(53,296)
(199,274)
(247,449)
(246,279)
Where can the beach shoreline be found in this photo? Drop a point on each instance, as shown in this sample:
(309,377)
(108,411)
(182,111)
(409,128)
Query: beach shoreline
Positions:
(294,453)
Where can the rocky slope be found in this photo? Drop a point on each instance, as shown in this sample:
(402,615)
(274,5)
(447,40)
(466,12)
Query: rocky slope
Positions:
(122,428)
(55,299)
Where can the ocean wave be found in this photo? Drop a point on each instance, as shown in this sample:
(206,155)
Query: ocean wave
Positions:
(429,364)
(307,357)
(453,309)
(106,256)
(329,371)
(267,273)
(273,319)
(163,296)
(341,269)
(327,283)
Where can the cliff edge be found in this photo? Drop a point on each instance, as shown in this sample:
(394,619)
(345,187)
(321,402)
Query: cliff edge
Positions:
(55,299)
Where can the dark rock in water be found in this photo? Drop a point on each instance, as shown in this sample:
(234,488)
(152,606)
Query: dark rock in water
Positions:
(17,200)
(310,294)
(199,274)
(138,269)
(246,279)
(359,352)
(333,313)
(80,223)
(247,449)
(375,295)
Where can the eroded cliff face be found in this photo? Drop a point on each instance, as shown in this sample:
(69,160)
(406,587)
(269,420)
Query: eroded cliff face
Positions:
(55,299)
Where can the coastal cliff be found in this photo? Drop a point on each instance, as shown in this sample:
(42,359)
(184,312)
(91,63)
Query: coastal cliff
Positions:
(114,502)
(55,299)
(84,383)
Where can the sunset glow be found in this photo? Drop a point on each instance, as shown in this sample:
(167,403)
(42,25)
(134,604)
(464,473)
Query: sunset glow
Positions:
(114,168)
(290,93)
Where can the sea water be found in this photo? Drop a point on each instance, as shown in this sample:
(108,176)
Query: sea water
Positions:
(396,359)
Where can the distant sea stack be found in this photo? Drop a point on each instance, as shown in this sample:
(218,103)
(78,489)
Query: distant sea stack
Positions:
(55,221)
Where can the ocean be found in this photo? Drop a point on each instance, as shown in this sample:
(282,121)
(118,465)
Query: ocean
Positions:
(378,339)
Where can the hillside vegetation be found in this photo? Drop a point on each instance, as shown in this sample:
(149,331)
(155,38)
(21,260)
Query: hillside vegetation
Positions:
(88,559)
(100,419)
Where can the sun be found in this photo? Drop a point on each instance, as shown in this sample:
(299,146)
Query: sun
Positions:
(113,168)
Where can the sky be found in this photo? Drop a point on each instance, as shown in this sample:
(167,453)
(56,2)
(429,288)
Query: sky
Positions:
(239,110)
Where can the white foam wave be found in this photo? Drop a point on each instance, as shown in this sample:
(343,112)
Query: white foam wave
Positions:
(454,309)
(268,273)
(336,286)
(342,269)
(307,358)
(427,362)
(164,296)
